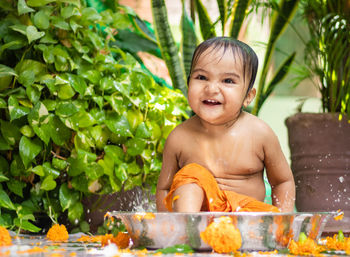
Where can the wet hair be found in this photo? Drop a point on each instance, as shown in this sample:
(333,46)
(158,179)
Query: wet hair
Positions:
(247,55)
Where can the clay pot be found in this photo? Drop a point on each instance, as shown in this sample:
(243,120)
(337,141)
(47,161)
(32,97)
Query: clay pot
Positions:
(320,161)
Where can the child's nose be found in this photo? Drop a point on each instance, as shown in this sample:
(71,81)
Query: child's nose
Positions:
(212,87)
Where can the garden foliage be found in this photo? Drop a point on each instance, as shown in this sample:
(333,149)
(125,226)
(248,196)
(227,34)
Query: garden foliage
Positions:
(78,116)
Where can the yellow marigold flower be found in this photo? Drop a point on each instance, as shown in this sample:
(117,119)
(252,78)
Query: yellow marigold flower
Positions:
(5,238)
(57,233)
(306,247)
(122,240)
(222,236)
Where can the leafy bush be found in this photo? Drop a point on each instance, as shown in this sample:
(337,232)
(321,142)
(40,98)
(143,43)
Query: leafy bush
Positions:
(78,117)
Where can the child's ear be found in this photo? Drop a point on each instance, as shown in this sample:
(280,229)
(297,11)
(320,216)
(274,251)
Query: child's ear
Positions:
(249,98)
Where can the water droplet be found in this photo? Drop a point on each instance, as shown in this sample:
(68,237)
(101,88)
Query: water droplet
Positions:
(341,179)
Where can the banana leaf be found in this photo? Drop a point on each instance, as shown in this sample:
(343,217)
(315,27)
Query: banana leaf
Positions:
(239,14)
(169,50)
(189,40)
(206,25)
(280,21)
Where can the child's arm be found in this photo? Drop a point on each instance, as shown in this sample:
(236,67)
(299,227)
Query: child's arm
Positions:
(169,168)
(279,174)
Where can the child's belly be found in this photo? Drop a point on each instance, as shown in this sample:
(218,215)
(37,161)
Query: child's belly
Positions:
(251,185)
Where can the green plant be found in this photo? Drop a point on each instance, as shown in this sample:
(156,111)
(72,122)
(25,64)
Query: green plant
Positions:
(78,116)
(327,54)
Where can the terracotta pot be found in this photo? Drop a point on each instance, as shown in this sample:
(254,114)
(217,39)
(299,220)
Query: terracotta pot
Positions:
(97,206)
(320,161)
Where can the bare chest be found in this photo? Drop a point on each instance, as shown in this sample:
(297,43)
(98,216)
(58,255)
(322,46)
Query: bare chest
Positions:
(227,157)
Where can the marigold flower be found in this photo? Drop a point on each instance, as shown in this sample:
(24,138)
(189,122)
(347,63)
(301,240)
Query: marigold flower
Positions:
(122,240)
(305,247)
(339,216)
(5,238)
(222,236)
(57,233)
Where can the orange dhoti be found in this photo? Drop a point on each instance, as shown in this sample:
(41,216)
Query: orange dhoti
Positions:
(215,198)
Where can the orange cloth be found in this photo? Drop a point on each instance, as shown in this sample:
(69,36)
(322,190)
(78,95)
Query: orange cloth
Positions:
(216,199)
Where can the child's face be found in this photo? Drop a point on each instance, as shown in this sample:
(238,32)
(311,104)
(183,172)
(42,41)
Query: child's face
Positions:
(217,89)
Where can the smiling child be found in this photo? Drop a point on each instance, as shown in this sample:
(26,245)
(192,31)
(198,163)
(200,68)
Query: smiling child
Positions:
(215,160)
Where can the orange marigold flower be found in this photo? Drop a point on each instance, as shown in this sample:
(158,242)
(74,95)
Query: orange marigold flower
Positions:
(339,216)
(306,247)
(222,235)
(90,239)
(57,233)
(122,240)
(333,243)
(5,238)
(35,249)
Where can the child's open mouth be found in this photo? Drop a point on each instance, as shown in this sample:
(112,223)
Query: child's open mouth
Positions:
(211,102)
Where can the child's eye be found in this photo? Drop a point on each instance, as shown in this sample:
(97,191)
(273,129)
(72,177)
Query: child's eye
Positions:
(230,81)
(201,77)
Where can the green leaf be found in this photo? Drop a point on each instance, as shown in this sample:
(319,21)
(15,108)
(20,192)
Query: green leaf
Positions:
(75,213)
(80,183)
(28,150)
(142,131)
(121,172)
(77,82)
(24,212)
(16,186)
(41,20)
(169,50)
(33,34)
(26,225)
(76,167)
(59,164)
(68,197)
(69,11)
(135,146)
(280,20)
(48,183)
(115,152)
(16,167)
(134,168)
(22,7)
(60,23)
(33,93)
(118,125)
(90,14)
(27,78)
(5,201)
(239,15)
(59,133)
(206,25)
(7,71)
(4,165)
(3,178)
(65,92)
(38,170)
(10,132)
(27,131)
(188,40)
(5,220)
(38,3)
(49,171)
(4,146)
(15,110)
(94,171)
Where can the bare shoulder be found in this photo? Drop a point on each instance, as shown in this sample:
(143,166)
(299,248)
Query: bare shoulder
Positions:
(259,127)
(182,132)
